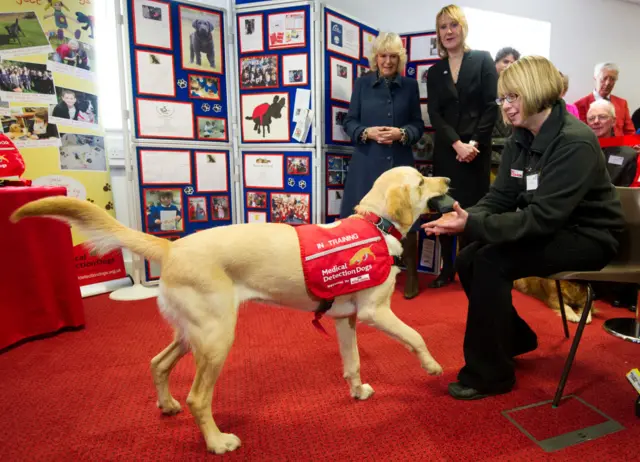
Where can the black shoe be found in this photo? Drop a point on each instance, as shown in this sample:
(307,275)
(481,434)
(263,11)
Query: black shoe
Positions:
(459,391)
(443,279)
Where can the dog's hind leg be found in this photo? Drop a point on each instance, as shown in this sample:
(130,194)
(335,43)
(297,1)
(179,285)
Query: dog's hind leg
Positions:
(161,367)
(347,340)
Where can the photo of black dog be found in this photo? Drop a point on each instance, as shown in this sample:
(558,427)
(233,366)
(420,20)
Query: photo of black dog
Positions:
(202,42)
(263,114)
(201,34)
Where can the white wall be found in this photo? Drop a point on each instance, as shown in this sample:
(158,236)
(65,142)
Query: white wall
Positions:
(583,32)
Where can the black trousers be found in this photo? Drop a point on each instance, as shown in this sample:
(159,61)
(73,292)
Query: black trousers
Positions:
(495,333)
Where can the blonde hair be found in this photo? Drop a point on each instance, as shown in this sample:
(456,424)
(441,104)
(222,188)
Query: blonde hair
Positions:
(457,15)
(565,82)
(388,42)
(535,80)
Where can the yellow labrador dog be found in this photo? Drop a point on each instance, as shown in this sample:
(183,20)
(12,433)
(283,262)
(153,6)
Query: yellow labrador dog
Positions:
(207,275)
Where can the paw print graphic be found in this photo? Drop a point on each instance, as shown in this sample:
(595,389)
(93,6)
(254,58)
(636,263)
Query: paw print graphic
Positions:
(106,187)
(302,184)
(217,108)
(188,190)
(411,71)
(182,83)
(291,182)
(90,200)
(109,206)
(206,107)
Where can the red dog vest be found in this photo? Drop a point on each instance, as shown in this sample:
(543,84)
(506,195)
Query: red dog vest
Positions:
(343,257)
(11,162)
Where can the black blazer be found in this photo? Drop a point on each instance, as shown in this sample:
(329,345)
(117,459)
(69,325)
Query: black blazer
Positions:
(467,110)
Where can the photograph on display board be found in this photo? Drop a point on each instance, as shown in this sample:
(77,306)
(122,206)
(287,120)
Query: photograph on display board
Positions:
(297,165)
(164,119)
(362,70)
(338,134)
(265,171)
(259,72)
(211,172)
(343,37)
(250,30)
(256,217)
(424,109)
(23,35)
(291,208)
(422,71)
(163,209)
(82,152)
(337,169)
(197,209)
(201,39)
(287,30)
(256,200)
(425,168)
(154,71)
(72,57)
(161,166)
(265,117)
(212,128)
(220,208)
(26,82)
(204,87)
(423,47)
(341,79)
(423,149)
(295,70)
(75,108)
(367,44)
(30,127)
(152,24)
(334,201)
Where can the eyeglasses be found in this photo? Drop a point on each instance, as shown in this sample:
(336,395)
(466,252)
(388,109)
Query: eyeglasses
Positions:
(509,99)
(600,117)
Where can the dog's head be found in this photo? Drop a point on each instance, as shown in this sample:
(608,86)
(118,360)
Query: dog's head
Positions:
(401,195)
(203,28)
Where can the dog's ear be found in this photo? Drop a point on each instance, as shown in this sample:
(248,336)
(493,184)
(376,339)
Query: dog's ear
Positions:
(398,205)
(195,23)
(210,26)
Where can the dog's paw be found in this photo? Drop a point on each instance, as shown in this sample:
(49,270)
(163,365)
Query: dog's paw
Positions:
(433,368)
(223,442)
(364,391)
(171,408)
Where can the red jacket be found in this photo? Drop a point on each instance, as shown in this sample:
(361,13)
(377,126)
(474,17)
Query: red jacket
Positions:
(624,125)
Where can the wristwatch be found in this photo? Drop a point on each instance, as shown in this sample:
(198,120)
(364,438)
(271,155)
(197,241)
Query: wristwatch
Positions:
(473,143)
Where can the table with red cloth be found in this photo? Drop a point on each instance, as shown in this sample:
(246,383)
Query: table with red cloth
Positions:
(39,289)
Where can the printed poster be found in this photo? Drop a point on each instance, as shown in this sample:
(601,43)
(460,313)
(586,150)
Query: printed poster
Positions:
(51,106)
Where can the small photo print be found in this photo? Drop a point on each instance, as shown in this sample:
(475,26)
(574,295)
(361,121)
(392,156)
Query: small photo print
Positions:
(433,47)
(296,76)
(22,34)
(290,208)
(201,39)
(337,169)
(294,69)
(334,201)
(197,209)
(82,152)
(256,217)
(256,200)
(152,12)
(297,165)
(75,54)
(339,117)
(259,72)
(211,128)
(335,178)
(204,87)
(75,108)
(422,71)
(163,208)
(220,208)
(362,70)
(26,82)
(342,71)
(29,126)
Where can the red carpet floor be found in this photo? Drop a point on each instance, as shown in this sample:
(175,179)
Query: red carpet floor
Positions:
(88,395)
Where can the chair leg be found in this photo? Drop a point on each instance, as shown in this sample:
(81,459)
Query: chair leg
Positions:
(574,346)
(565,326)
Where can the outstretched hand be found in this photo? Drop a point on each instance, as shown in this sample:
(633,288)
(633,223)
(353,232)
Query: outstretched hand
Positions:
(449,223)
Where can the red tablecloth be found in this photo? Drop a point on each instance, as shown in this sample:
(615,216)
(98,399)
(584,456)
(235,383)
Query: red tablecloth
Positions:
(39,289)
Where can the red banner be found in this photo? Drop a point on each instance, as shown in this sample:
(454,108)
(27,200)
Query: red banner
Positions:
(615,141)
(92,269)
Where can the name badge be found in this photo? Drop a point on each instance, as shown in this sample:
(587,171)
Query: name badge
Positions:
(532,182)
(516,173)
(616,160)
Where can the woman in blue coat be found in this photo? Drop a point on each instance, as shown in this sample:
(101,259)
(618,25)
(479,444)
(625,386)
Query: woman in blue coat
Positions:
(384,120)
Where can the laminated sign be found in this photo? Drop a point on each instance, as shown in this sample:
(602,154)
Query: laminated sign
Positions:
(343,257)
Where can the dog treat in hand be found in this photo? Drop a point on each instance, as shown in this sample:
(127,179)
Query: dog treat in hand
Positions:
(441,204)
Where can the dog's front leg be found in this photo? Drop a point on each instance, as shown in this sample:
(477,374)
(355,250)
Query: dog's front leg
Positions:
(346,330)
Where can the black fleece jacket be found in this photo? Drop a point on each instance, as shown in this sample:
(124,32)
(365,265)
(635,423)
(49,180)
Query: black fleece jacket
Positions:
(573,189)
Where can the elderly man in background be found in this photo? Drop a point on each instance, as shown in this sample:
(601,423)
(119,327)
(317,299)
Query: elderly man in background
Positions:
(606,76)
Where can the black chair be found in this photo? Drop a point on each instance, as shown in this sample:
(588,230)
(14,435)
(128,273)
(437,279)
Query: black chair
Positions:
(624,268)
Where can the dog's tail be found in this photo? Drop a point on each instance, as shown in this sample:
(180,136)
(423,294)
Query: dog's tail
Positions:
(104,231)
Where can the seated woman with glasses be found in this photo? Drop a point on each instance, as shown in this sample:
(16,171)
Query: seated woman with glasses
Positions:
(551,208)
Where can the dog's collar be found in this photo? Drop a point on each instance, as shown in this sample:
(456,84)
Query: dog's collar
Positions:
(383,224)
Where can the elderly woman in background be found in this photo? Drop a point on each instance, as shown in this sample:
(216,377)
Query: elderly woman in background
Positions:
(552,208)
(383,121)
(462,108)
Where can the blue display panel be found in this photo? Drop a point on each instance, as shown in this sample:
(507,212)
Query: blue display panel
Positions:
(336,169)
(178,71)
(344,61)
(277,187)
(275,62)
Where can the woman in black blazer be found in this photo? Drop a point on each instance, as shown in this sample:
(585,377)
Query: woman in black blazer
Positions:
(462,108)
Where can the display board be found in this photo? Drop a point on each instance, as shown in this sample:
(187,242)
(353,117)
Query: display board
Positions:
(275,71)
(178,71)
(183,191)
(277,187)
(335,171)
(347,45)
(49,107)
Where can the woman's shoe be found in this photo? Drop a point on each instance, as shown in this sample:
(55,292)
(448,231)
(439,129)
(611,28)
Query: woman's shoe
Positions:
(443,279)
